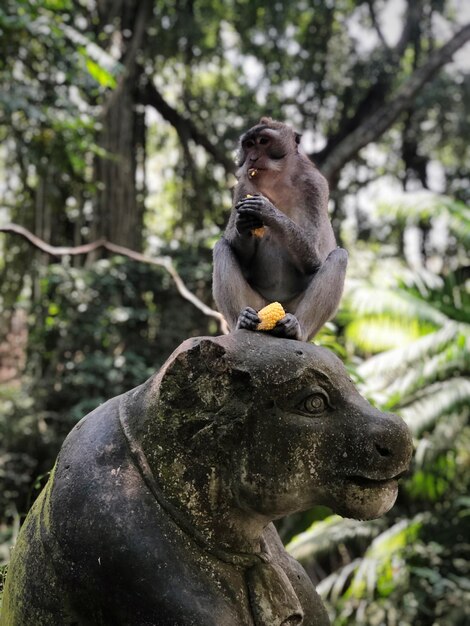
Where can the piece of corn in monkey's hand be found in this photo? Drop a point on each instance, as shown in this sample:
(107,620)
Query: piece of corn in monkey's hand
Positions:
(256,232)
(270,315)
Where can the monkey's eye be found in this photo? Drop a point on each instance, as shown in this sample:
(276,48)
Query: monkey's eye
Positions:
(264,140)
(249,143)
(313,404)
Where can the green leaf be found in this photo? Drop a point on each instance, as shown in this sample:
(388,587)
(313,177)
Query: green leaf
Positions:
(58,5)
(102,76)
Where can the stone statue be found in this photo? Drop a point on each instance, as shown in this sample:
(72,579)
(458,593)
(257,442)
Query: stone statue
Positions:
(159,509)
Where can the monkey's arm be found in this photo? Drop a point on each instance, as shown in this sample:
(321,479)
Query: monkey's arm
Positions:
(300,246)
(239,236)
(321,299)
(232,293)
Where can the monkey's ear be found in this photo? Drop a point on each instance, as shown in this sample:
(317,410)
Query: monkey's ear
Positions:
(298,137)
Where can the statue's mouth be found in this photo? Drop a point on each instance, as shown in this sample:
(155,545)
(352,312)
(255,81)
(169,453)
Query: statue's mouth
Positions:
(366,482)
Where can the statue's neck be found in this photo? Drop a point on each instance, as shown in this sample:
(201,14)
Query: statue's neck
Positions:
(210,513)
(212,516)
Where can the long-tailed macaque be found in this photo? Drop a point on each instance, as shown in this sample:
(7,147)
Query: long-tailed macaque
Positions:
(279,244)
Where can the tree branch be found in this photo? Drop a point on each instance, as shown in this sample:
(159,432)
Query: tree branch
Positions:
(379,89)
(385,116)
(184,126)
(375,23)
(413,17)
(164,262)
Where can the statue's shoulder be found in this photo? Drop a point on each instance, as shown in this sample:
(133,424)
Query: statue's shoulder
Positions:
(314,611)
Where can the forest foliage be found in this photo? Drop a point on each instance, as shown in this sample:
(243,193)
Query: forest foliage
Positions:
(119,120)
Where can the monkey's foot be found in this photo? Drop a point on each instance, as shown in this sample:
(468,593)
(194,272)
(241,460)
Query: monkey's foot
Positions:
(248,319)
(288,327)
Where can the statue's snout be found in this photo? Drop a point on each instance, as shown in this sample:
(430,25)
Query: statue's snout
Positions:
(388,445)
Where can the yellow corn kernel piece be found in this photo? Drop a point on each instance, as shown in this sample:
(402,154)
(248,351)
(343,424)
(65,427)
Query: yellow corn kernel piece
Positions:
(270,315)
(256,232)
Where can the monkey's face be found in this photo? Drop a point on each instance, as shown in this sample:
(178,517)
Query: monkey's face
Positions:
(265,148)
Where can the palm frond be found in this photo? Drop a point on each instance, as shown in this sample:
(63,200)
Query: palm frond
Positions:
(384,368)
(453,358)
(379,568)
(332,586)
(325,536)
(437,400)
(367,299)
(448,434)
(382,332)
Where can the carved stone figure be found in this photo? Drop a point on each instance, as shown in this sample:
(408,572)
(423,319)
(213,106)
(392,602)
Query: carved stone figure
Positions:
(159,510)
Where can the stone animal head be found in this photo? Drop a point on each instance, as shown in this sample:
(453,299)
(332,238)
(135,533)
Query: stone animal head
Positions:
(273,425)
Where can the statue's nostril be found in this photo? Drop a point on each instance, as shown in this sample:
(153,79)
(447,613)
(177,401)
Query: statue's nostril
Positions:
(383,451)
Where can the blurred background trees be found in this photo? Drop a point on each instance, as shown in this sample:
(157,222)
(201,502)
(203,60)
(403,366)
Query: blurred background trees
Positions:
(120,120)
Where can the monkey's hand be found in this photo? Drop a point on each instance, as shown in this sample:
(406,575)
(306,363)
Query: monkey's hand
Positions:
(288,327)
(258,209)
(246,222)
(248,319)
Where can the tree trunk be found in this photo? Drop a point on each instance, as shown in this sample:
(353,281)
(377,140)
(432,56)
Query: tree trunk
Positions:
(118,210)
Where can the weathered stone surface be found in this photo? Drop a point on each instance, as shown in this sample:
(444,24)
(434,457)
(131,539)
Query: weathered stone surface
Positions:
(160,505)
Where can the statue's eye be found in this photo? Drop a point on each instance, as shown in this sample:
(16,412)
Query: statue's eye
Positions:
(313,404)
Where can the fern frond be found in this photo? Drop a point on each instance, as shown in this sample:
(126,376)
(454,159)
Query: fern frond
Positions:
(382,369)
(325,536)
(449,434)
(437,400)
(378,567)
(443,366)
(333,586)
(382,332)
(441,460)
(372,300)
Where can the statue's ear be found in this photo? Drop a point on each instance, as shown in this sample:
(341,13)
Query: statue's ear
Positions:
(195,363)
(199,355)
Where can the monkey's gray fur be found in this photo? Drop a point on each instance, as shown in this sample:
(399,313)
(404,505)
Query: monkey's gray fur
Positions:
(296,262)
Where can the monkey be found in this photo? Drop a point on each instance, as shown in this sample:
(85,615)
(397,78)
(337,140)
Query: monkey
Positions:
(279,244)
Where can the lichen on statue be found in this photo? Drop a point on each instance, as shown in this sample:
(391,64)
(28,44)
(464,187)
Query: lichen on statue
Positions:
(160,509)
